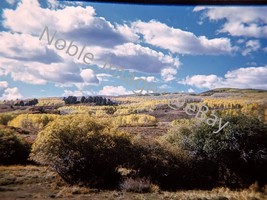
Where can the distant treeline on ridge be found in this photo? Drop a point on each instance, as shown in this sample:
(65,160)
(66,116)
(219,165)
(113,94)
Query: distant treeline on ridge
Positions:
(98,100)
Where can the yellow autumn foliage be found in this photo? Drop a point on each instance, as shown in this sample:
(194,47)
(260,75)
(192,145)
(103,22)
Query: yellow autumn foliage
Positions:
(227,106)
(32,121)
(134,120)
(6,117)
(50,102)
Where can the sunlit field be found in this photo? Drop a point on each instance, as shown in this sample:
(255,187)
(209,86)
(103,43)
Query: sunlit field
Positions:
(136,150)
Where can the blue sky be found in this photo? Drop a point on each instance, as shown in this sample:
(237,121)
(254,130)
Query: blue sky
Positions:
(175,48)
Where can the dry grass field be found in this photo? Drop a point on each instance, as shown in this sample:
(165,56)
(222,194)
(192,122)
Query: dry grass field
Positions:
(149,121)
(35,182)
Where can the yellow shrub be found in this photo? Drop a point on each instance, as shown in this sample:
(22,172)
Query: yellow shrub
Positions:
(100,113)
(51,102)
(254,107)
(32,121)
(122,111)
(134,120)
(82,150)
(184,122)
(91,110)
(6,117)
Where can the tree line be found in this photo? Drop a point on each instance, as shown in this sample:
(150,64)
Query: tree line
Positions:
(31,102)
(97,100)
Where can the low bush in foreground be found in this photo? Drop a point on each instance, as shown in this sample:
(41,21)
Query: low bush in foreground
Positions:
(13,149)
(238,152)
(6,117)
(190,156)
(82,150)
(170,169)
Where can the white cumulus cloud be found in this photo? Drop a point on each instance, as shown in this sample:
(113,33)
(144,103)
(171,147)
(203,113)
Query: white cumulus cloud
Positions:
(3,84)
(11,2)
(89,76)
(76,93)
(135,56)
(147,78)
(190,90)
(179,41)
(7,93)
(250,77)
(114,91)
(11,94)
(168,74)
(251,45)
(25,58)
(239,21)
(79,23)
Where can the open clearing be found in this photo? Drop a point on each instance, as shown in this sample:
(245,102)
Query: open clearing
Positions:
(33,182)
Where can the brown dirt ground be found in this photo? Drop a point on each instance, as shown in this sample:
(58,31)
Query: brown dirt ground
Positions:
(38,183)
(168,115)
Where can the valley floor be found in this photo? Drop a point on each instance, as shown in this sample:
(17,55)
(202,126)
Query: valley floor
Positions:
(33,182)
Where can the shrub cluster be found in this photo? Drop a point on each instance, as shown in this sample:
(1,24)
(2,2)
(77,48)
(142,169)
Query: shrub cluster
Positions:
(82,150)
(6,117)
(32,121)
(85,151)
(13,149)
(134,120)
(50,102)
(238,153)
